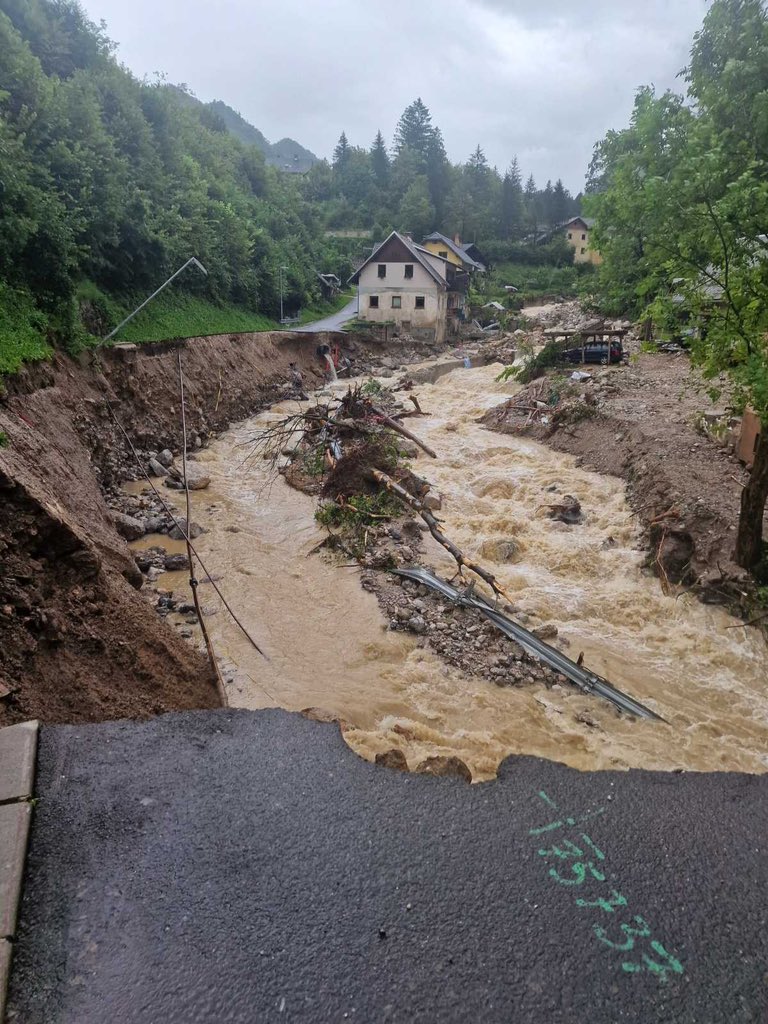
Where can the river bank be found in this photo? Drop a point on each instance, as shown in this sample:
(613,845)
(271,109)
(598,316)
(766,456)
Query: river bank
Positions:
(426,681)
(644,422)
(79,643)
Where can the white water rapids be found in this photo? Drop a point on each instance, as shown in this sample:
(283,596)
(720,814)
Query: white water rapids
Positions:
(329,646)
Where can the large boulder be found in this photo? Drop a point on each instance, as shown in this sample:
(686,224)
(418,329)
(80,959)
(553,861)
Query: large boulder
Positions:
(165,458)
(194,530)
(393,758)
(197,478)
(156,468)
(128,526)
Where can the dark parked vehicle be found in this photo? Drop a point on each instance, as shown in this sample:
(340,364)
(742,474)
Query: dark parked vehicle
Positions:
(596,352)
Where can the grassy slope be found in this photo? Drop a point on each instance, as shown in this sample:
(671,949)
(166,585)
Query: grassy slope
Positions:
(185,316)
(23,328)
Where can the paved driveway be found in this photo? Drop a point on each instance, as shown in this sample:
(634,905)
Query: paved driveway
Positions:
(334,322)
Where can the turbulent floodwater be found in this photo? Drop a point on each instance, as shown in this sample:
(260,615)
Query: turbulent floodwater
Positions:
(329,647)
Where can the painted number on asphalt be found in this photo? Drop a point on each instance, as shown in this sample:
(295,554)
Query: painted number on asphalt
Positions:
(574,861)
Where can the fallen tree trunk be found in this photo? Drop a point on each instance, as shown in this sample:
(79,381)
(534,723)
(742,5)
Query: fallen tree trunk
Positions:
(461,560)
(394,425)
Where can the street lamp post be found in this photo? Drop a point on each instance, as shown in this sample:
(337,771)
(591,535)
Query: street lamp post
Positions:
(192,261)
(282,317)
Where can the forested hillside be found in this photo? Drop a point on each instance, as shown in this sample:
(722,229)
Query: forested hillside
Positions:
(414,187)
(108,184)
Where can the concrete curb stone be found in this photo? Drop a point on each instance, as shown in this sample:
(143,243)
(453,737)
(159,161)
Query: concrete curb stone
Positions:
(18,748)
(5,972)
(14,829)
(18,752)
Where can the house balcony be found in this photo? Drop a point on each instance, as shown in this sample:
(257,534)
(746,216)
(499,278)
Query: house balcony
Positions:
(459,283)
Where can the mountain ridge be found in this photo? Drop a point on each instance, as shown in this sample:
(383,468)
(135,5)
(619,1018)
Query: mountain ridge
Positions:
(286,154)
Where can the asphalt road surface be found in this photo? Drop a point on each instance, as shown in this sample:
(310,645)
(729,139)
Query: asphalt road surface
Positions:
(332,323)
(236,866)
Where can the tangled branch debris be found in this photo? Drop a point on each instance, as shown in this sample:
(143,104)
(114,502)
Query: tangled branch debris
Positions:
(351,453)
(461,560)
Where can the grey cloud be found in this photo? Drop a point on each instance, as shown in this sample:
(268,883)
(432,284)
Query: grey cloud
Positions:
(541,81)
(598,12)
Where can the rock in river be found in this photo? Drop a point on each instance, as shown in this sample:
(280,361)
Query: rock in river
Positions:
(174,563)
(194,530)
(128,526)
(393,758)
(156,468)
(197,478)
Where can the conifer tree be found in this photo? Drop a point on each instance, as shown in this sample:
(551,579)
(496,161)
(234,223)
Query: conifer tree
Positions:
(414,129)
(380,160)
(341,152)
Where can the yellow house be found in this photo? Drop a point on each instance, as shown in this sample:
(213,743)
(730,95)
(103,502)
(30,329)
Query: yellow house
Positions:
(451,250)
(577,231)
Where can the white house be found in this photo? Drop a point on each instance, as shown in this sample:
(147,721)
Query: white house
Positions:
(405,284)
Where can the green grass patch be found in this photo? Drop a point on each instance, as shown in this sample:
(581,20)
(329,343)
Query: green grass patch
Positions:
(186,316)
(22,331)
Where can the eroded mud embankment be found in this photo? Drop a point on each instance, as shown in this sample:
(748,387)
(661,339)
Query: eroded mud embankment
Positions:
(78,641)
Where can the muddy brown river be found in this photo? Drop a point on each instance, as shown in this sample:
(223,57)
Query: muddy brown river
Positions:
(328,644)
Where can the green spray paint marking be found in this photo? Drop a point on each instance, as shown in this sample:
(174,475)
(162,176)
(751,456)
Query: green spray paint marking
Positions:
(581,861)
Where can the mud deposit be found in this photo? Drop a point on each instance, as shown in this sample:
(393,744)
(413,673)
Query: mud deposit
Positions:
(329,645)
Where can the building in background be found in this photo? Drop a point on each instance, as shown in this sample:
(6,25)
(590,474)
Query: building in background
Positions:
(451,249)
(406,285)
(577,231)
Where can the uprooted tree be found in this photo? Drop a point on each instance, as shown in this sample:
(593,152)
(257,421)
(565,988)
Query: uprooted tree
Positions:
(681,201)
(351,453)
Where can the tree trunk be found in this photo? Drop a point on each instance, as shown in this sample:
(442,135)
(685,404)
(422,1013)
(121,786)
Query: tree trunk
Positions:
(749,541)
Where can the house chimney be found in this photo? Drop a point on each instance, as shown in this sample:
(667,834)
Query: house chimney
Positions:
(457,239)
(407,235)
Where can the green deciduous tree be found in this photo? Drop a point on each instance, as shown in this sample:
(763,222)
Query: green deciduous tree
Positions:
(681,200)
(416,214)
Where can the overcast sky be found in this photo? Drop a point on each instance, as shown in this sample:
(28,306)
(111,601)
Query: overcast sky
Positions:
(543,79)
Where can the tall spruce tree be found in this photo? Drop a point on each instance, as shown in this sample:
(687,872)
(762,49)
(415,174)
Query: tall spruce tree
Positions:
(532,221)
(415,130)
(561,203)
(380,161)
(341,152)
(512,202)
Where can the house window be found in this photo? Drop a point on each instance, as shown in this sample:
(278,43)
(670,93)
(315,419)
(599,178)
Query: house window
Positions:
(396,302)
(443,253)
(382,270)
(373,301)
(409,270)
(583,238)
(583,250)
(570,236)
(419,302)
